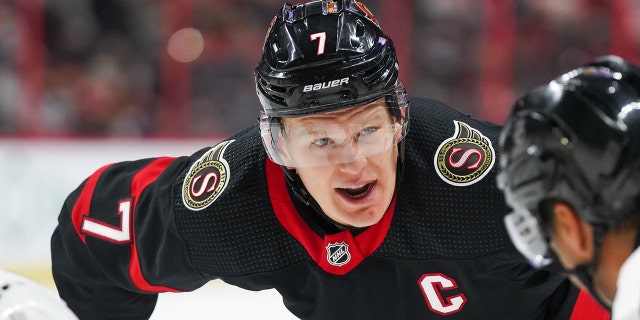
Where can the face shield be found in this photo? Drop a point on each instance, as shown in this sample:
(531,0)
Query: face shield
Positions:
(336,137)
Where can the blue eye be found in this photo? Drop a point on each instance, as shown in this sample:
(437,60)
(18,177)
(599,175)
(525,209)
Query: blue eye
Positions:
(321,142)
(368,130)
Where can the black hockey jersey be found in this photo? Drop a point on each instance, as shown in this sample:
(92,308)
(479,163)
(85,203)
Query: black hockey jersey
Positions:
(134,229)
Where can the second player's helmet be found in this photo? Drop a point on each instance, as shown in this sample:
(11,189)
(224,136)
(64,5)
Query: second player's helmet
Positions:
(575,140)
(323,56)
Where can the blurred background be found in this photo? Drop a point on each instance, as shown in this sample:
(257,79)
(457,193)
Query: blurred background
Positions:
(87,82)
(184,68)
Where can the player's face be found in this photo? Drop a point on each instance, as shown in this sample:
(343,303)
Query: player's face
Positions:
(356,193)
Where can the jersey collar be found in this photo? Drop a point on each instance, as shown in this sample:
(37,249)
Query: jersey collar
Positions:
(337,253)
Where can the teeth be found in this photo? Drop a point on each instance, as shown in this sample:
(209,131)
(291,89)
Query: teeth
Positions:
(357,191)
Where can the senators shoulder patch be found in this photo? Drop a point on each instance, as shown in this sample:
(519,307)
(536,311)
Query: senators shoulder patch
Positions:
(465,158)
(207,178)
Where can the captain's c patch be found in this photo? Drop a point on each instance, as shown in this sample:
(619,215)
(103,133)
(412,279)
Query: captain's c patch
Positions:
(465,158)
(207,178)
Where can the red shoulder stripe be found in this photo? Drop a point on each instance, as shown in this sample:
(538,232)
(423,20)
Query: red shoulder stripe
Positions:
(282,205)
(140,182)
(82,207)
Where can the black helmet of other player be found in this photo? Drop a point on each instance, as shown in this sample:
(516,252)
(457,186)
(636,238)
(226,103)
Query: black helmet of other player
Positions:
(323,56)
(575,140)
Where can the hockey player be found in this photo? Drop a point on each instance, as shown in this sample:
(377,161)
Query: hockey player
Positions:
(24,299)
(571,159)
(330,199)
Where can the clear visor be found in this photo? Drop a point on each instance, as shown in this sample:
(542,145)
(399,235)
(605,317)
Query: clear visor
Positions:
(528,237)
(333,138)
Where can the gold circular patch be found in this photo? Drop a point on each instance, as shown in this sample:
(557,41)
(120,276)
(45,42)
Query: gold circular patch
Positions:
(207,178)
(465,158)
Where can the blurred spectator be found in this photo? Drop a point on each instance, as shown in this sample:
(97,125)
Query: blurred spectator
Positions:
(104,71)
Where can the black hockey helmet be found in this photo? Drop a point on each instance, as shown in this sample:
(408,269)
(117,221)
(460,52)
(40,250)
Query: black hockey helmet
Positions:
(575,140)
(323,56)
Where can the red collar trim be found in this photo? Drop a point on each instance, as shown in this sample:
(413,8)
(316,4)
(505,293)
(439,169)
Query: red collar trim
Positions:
(337,253)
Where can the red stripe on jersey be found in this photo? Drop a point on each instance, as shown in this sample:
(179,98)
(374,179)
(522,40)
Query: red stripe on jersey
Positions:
(282,205)
(359,247)
(139,182)
(586,308)
(82,207)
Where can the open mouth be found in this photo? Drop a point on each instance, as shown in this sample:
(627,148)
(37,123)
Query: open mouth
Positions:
(357,192)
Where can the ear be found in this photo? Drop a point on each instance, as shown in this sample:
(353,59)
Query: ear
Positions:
(572,236)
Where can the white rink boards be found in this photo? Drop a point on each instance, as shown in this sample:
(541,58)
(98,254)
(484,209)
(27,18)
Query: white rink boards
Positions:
(221,301)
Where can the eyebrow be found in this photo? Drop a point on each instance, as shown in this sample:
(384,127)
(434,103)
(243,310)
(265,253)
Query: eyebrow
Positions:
(371,108)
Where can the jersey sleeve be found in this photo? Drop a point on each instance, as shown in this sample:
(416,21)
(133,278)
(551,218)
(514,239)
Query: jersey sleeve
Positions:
(116,244)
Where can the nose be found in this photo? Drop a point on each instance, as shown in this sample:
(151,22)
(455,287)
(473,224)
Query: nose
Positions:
(355,166)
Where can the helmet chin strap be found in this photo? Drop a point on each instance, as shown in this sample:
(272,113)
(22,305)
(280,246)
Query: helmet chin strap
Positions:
(299,190)
(400,170)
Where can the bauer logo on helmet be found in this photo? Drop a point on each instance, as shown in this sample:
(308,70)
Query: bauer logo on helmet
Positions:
(325,85)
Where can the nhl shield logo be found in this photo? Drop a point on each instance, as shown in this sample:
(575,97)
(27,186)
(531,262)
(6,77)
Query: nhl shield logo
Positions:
(338,254)
(465,158)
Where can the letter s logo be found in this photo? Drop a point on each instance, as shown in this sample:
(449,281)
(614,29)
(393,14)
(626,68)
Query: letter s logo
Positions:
(465,157)
(433,285)
(205,183)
